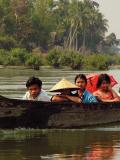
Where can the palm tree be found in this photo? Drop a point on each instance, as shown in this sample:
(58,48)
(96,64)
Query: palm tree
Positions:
(91,23)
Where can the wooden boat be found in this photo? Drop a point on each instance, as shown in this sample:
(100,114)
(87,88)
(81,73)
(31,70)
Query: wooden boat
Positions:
(16,113)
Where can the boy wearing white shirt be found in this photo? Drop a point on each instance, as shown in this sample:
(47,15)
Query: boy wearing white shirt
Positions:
(35,92)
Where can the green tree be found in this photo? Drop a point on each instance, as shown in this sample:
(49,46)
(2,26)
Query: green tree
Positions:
(96,62)
(54,58)
(42,22)
(72,59)
(7,42)
(20,55)
(34,61)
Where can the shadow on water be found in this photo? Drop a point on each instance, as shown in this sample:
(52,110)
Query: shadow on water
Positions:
(89,144)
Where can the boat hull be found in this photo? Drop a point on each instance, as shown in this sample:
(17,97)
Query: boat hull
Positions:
(30,114)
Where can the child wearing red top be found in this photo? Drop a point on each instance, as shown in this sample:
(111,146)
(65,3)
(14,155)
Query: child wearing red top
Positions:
(104,91)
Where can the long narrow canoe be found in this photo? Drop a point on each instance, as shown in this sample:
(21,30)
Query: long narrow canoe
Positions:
(16,113)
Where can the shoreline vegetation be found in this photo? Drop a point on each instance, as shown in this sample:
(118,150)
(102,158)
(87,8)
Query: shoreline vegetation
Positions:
(60,33)
(58,59)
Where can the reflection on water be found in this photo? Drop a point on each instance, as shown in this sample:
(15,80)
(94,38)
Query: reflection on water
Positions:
(60,145)
(30,144)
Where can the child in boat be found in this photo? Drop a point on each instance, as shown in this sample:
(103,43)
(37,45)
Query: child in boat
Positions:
(104,91)
(65,88)
(85,96)
(35,92)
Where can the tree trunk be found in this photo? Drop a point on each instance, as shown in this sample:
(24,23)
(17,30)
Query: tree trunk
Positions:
(84,42)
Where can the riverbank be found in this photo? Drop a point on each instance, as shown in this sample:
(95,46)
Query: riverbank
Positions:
(57,58)
(111,67)
(114,67)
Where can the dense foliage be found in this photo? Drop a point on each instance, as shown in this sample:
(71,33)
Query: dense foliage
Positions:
(58,59)
(76,27)
(76,60)
(73,24)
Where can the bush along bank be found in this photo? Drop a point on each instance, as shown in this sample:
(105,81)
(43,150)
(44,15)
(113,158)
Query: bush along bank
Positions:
(58,59)
(78,61)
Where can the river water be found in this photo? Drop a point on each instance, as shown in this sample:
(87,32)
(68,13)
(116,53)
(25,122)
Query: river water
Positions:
(29,144)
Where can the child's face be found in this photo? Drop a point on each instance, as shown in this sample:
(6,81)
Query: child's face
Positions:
(105,86)
(81,83)
(34,90)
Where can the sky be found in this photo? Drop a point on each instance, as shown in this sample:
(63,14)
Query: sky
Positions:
(111,11)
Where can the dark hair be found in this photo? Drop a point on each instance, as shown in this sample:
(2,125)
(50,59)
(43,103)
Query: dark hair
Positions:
(32,81)
(103,77)
(81,76)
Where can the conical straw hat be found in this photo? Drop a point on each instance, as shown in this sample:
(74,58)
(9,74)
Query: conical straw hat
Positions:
(63,84)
